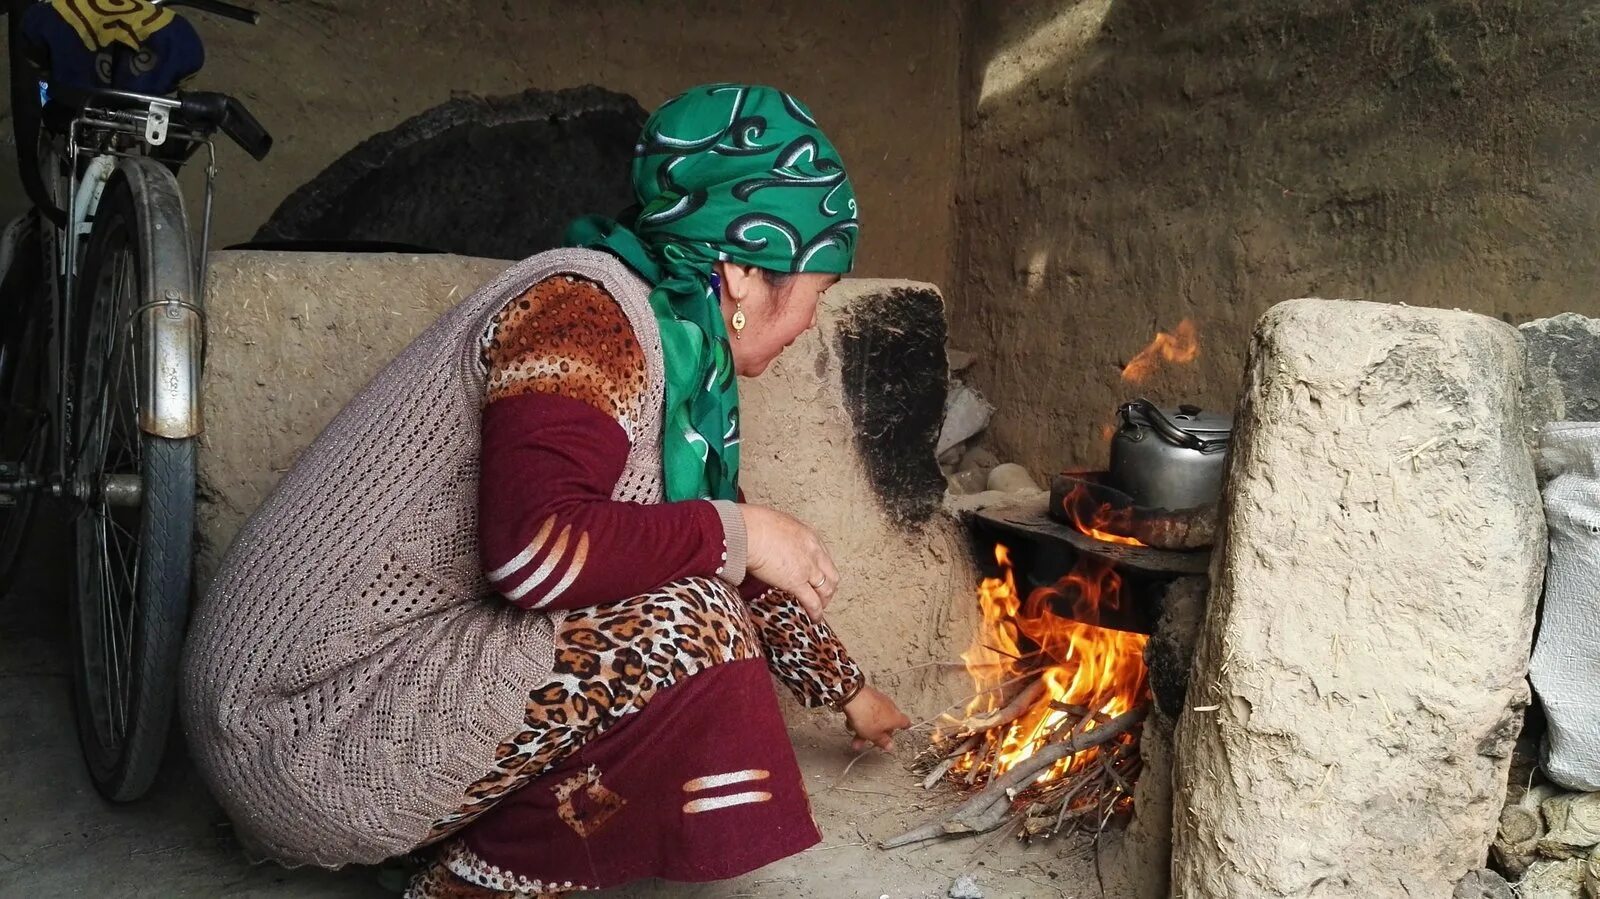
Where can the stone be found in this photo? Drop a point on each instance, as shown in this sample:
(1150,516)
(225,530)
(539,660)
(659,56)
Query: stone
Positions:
(979,458)
(1033,503)
(1361,674)
(1012,478)
(967,482)
(1553,880)
(950,460)
(1591,875)
(966,414)
(1522,825)
(1564,381)
(965,887)
(1572,822)
(1483,884)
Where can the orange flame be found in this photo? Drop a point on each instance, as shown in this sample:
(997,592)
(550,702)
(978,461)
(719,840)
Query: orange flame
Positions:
(1102,521)
(1179,347)
(1083,666)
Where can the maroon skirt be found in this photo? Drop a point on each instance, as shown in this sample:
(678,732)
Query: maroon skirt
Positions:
(691,779)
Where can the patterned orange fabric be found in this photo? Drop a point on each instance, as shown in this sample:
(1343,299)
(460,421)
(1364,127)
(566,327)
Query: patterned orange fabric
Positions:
(567,336)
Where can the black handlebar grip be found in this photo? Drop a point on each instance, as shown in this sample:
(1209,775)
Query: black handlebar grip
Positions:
(248,133)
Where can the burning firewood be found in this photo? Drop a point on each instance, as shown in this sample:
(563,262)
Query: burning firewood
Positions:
(943,768)
(995,803)
(1020,705)
(1049,741)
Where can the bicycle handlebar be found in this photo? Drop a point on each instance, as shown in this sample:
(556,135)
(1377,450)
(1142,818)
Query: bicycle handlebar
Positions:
(229,114)
(202,110)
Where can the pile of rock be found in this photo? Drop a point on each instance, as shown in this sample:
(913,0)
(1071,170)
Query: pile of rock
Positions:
(974,475)
(1549,840)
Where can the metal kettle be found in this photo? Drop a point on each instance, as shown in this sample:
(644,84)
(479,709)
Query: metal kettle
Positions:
(1170,458)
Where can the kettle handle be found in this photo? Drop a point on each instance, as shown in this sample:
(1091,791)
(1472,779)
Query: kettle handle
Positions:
(1167,428)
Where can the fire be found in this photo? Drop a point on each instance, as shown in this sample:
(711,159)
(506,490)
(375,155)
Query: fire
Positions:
(1071,664)
(1180,347)
(1100,520)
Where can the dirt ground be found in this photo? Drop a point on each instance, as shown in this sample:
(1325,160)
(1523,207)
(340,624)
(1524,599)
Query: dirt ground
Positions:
(59,839)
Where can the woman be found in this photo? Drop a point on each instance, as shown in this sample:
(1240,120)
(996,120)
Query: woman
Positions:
(511,603)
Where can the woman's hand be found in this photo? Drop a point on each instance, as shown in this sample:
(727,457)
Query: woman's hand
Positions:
(784,553)
(872,718)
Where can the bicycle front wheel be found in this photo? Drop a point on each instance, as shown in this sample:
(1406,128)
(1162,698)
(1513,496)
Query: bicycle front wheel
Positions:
(134,533)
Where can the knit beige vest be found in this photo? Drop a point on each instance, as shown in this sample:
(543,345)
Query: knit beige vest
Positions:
(347,676)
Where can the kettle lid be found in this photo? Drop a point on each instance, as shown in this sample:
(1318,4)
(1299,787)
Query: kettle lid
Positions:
(1200,422)
(1179,424)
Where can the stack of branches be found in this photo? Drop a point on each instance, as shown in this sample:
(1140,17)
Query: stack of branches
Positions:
(1086,797)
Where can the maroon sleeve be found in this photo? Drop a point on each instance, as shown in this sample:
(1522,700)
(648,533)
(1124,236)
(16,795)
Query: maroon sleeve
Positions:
(565,390)
(551,536)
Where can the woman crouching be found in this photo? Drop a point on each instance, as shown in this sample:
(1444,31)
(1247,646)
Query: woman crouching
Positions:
(510,605)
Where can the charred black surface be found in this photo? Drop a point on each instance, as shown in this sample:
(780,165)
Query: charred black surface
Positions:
(1170,652)
(483,176)
(892,355)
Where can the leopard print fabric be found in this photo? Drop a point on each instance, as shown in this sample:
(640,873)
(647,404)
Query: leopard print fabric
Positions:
(439,880)
(610,661)
(567,336)
(804,654)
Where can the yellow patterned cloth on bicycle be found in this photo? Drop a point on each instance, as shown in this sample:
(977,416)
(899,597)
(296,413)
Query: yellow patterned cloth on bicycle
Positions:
(101,23)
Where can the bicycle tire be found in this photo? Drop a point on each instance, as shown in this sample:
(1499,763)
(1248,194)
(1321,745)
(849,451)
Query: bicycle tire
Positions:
(23,420)
(125,693)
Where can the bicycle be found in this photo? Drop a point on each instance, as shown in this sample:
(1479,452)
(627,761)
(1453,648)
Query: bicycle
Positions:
(100,364)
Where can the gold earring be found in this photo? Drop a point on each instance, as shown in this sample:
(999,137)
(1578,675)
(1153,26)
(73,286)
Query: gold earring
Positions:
(738,320)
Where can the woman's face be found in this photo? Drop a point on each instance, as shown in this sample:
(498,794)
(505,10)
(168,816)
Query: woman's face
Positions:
(777,310)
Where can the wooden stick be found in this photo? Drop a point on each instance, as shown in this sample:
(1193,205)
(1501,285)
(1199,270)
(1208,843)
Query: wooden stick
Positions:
(991,751)
(943,767)
(963,666)
(1066,803)
(978,808)
(1108,763)
(1019,705)
(969,700)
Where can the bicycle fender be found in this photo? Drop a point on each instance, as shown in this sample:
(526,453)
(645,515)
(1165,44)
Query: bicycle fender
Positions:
(170,324)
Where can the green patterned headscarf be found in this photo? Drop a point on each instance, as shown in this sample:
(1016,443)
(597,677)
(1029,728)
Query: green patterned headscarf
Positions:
(725,171)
